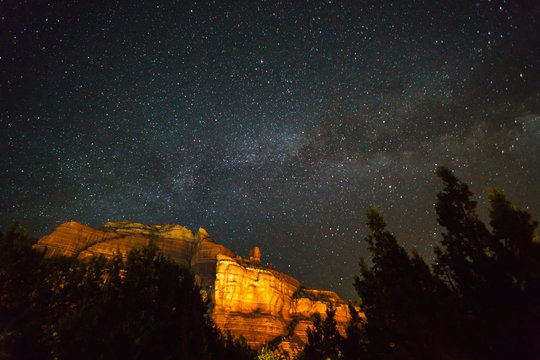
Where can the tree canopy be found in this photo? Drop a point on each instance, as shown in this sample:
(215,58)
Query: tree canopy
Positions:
(144,306)
(479,299)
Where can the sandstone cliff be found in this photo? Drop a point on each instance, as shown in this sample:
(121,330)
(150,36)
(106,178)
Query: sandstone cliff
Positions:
(261,304)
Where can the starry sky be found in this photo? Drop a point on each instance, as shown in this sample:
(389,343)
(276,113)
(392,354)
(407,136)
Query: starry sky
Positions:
(268,123)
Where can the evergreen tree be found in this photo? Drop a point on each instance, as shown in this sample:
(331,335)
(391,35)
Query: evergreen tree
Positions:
(482,302)
(494,274)
(517,286)
(23,298)
(354,345)
(141,307)
(324,338)
(515,233)
(463,257)
(403,301)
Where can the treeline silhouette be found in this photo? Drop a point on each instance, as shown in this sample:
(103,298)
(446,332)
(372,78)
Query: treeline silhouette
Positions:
(480,299)
(141,307)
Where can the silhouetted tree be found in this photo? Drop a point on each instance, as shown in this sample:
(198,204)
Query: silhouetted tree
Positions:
(515,280)
(324,338)
(494,274)
(462,258)
(354,345)
(402,299)
(141,307)
(481,301)
(515,234)
(23,299)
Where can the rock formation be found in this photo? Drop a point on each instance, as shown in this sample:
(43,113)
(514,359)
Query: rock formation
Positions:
(261,304)
(255,256)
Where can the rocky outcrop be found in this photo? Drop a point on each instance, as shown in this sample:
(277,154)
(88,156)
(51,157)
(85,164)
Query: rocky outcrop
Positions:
(204,258)
(247,297)
(197,251)
(259,303)
(71,238)
(81,241)
(255,256)
(262,304)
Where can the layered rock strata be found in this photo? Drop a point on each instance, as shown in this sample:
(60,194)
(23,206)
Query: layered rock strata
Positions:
(269,304)
(261,304)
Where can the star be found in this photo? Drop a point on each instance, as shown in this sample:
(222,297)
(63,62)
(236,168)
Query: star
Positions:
(269,124)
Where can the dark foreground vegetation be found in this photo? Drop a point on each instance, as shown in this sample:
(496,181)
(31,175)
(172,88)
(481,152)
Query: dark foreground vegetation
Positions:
(142,307)
(480,299)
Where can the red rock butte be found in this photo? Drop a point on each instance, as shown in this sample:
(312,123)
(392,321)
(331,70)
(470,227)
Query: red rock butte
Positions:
(259,303)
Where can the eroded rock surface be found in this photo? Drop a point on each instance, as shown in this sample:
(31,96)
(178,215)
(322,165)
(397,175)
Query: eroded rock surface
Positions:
(261,304)
(204,258)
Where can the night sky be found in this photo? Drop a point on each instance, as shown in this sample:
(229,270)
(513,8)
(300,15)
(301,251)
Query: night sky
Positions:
(269,123)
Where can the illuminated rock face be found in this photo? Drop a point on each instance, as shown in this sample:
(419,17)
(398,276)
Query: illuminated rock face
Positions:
(261,304)
(308,302)
(251,301)
(203,261)
(178,243)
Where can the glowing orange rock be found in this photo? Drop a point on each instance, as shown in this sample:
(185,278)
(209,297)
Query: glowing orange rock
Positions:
(258,303)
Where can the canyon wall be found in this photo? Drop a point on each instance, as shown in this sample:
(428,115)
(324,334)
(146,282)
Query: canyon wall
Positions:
(263,305)
(259,303)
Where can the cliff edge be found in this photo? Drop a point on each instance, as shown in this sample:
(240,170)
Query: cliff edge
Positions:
(259,303)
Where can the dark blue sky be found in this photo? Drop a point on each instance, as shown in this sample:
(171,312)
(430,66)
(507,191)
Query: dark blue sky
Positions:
(269,123)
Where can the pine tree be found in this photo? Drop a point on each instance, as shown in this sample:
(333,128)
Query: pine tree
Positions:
(515,233)
(462,258)
(354,345)
(141,307)
(402,299)
(23,298)
(516,279)
(493,275)
(324,338)
(380,287)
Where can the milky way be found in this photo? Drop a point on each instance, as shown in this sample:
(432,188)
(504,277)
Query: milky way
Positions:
(269,123)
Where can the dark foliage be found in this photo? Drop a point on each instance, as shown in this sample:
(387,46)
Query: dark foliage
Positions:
(494,274)
(354,343)
(25,317)
(142,307)
(323,339)
(402,300)
(481,300)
